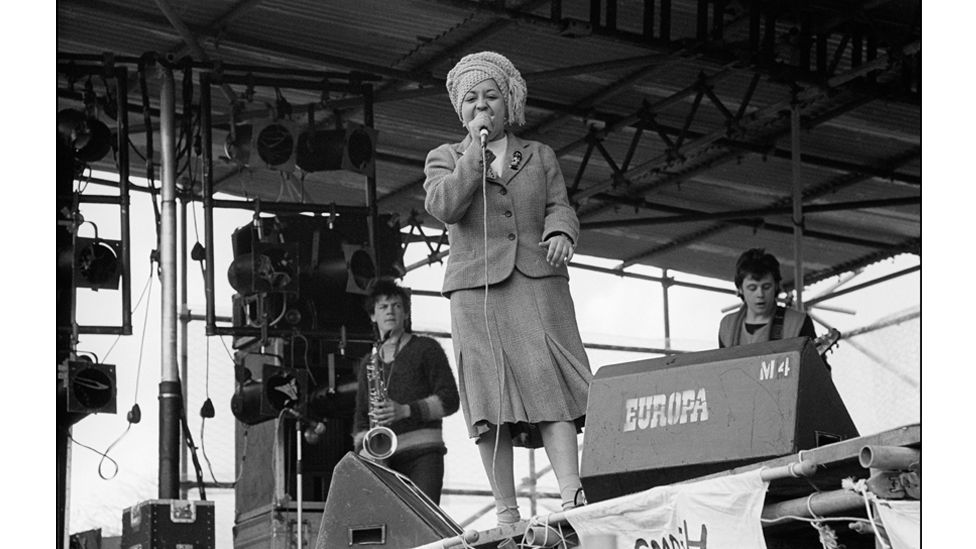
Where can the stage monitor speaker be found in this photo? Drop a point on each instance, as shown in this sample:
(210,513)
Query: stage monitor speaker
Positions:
(372,506)
(670,419)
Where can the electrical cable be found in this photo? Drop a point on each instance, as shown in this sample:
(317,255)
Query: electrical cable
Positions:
(186,126)
(89,353)
(134,415)
(808,519)
(188,439)
(134,308)
(88,177)
(284,309)
(229,353)
(308,366)
(103,454)
(281,186)
(203,450)
(274,447)
(499,372)
(147,120)
(142,339)
(135,150)
(207,412)
(240,471)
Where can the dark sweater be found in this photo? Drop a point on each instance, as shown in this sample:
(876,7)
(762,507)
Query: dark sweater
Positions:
(421,378)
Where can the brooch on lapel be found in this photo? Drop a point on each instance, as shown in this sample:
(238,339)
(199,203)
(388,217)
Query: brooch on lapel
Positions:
(516,160)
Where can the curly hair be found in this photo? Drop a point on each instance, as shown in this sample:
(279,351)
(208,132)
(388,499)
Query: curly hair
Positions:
(386,287)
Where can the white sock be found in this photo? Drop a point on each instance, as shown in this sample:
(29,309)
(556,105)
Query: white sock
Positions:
(568,486)
(507,511)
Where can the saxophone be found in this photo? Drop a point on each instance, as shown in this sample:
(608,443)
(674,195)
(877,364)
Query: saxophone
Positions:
(380,442)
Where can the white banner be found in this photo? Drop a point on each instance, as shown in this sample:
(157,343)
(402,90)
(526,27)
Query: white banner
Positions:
(902,522)
(719,512)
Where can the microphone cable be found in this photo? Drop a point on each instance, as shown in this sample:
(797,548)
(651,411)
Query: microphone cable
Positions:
(499,372)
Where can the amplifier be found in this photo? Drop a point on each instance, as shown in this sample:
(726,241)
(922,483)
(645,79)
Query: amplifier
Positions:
(665,420)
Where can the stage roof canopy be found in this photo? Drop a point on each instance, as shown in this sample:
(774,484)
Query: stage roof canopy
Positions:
(673,119)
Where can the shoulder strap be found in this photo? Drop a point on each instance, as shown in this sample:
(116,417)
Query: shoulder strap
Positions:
(776,330)
(740,318)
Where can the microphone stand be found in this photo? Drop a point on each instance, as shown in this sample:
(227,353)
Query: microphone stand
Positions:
(298,487)
(299,436)
(299,418)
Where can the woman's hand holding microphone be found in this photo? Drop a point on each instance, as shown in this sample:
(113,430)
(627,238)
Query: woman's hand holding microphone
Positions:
(480,127)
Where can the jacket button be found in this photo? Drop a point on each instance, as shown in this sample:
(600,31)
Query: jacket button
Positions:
(503,191)
(511,236)
(508,213)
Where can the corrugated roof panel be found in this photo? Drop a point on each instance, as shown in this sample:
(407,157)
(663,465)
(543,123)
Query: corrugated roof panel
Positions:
(702,163)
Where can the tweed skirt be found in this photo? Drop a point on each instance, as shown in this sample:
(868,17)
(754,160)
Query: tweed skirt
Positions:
(529,366)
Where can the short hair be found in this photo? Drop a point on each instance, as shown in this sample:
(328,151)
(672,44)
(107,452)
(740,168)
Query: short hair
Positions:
(757,263)
(386,287)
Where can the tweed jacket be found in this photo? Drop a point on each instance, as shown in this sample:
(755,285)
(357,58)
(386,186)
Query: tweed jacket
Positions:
(527,205)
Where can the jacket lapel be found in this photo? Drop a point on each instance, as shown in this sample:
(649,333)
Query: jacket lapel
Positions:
(459,149)
(517,156)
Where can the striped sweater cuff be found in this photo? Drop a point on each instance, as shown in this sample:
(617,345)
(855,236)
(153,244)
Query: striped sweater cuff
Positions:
(427,409)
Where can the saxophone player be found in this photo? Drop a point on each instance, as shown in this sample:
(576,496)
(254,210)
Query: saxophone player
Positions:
(419,389)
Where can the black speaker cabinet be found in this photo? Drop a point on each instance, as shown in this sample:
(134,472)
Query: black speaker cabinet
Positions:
(665,420)
(372,506)
(267,468)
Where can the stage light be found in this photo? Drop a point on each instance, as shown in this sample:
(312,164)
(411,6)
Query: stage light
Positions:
(361,268)
(360,151)
(96,263)
(88,138)
(284,388)
(268,268)
(279,145)
(237,147)
(99,143)
(279,389)
(266,143)
(352,148)
(73,128)
(320,150)
(89,388)
(274,141)
(245,404)
(327,269)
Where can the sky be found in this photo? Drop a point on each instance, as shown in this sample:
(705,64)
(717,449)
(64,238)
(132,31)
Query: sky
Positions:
(945,291)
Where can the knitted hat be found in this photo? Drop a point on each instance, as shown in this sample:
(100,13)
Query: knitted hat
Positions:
(475,68)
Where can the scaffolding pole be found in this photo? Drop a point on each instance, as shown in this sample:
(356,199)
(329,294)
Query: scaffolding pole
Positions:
(184,324)
(665,284)
(797,205)
(170,397)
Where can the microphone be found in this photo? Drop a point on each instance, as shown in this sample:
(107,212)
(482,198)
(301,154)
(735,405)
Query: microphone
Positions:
(483,132)
(314,433)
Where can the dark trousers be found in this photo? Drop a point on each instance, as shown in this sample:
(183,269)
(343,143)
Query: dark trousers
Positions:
(425,467)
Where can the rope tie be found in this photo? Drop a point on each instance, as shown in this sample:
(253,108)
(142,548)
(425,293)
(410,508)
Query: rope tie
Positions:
(464,543)
(828,538)
(861,487)
(555,531)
